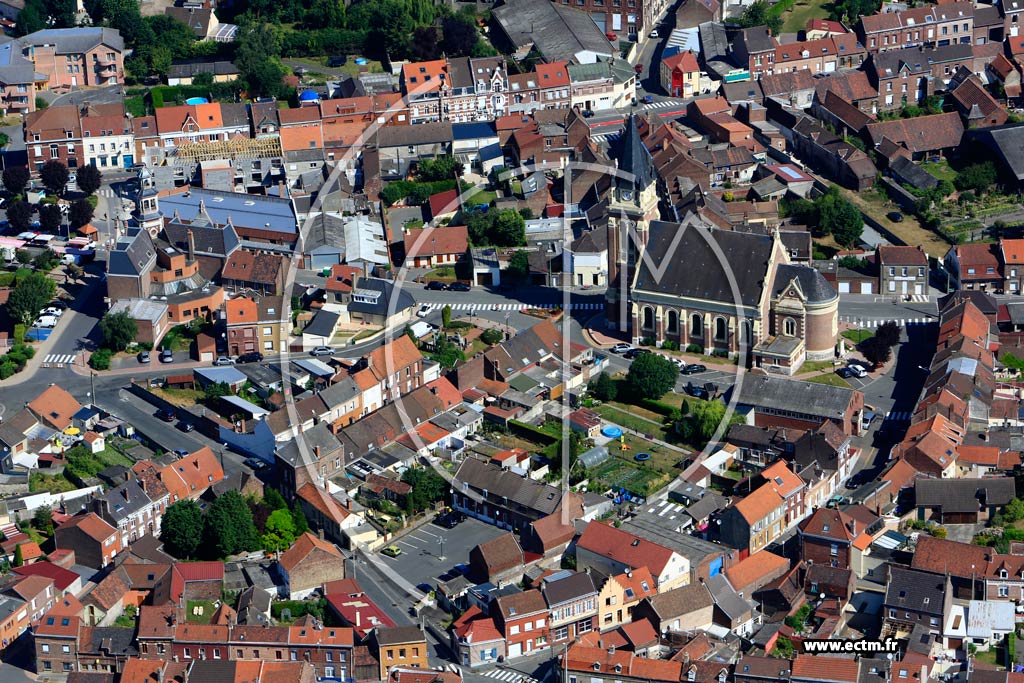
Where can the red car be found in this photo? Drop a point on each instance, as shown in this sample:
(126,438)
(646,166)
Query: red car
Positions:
(611,36)
(639,68)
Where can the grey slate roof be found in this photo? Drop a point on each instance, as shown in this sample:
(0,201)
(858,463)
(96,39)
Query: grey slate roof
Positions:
(116,641)
(915,590)
(530,494)
(384,305)
(1008,144)
(245,210)
(746,255)
(75,40)
(317,437)
(557,32)
(190,69)
(326,232)
(634,157)
(727,599)
(800,397)
(420,134)
(963,495)
(210,239)
(132,254)
(126,500)
(572,587)
(813,284)
(14,68)
(322,324)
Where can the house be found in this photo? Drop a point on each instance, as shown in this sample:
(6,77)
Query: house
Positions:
(185,72)
(54,407)
(108,140)
(202,20)
(756,571)
(572,601)
(498,561)
(902,270)
(72,57)
(258,271)
(613,551)
(501,497)
(915,599)
(620,594)
(949,24)
(308,564)
(18,79)
(256,324)
(190,476)
(134,508)
(680,74)
(325,514)
(775,402)
(975,266)
(976,106)
(56,636)
(522,618)
(754,50)
(962,501)
(435,247)
(808,668)
(591,664)
(924,136)
(754,522)
(567,34)
(379,302)
(350,604)
(682,609)
(476,639)
(94,541)
(399,647)
(833,538)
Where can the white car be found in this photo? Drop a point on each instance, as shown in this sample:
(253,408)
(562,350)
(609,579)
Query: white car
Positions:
(857,371)
(424,311)
(654,33)
(45,321)
(52,310)
(621,347)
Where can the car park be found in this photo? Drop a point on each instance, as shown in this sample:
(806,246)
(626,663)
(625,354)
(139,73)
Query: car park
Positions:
(166,414)
(144,356)
(693,369)
(224,360)
(251,357)
(391,551)
(436,286)
(621,348)
(321,351)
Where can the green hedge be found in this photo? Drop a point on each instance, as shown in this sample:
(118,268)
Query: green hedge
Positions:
(531,432)
(19,333)
(657,406)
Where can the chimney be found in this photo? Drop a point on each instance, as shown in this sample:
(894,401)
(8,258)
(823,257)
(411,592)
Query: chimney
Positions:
(611,649)
(348,503)
(191,245)
(160,673)
(320,534)
(316,451)
(359,618)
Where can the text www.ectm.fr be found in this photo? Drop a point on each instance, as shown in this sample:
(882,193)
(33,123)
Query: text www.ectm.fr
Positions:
(850,646)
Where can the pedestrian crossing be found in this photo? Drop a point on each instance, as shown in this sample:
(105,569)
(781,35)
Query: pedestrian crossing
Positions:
(665,104)
(860,322)
(509,676)
(106,192)
(59,359)
(919,298)
(666,509)
(606,137)
(514,307)
(898,416)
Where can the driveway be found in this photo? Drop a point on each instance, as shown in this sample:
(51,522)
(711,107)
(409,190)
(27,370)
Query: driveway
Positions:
(421,559)
(109,94)
(962,533)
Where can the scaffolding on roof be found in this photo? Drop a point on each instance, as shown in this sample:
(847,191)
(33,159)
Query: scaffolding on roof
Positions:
(236,148)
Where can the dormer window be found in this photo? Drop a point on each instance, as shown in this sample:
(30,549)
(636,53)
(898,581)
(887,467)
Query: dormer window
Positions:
(1002,573)
(691,675)
(597,666)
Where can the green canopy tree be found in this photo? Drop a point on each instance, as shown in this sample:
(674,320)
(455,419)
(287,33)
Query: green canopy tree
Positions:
(30,295)
(119,330)
(80,213)
(280,532)
(20,215)
(181,529)
(16,179)
(54,176)
(651,375)
(603,387)
(228,527)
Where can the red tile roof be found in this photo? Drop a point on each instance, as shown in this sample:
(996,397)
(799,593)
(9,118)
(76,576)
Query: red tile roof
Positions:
(607,541)
(426,242)
(819,668)
(62,578)
(759,504)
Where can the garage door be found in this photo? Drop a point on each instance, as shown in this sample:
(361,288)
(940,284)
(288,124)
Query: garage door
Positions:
(515,650)
(844,287)
(867,288)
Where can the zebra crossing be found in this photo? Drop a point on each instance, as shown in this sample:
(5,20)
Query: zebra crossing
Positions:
(860,322)
(509,676)
(106,192)
(513,307)
(59,359)
(606,137)
(898,416)
(919,298)
(665,104)
(666,509)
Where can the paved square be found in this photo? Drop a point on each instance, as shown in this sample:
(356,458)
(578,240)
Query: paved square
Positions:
(420,561)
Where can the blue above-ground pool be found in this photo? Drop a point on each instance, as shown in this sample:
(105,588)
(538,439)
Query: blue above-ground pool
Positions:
(612,432)
(197,100)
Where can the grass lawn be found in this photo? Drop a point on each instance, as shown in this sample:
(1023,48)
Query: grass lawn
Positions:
(637,410)
(194,605)
(364,334)
(989,656)
(910,231)
(831,379)
(633,422)
(940,169)
(179,397)
(857,336)
(816,366)
(802,12)
(483,197)
(618,473)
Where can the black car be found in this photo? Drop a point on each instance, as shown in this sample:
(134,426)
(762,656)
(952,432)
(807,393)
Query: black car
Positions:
(459,287)
(633,353)
(251,357)
(436,286)
(895,216)
(450,520)
(696,391)
(166,414)
(692,369)
(186,426)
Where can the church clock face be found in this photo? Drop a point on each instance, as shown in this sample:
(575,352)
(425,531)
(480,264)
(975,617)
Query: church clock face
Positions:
(627,195)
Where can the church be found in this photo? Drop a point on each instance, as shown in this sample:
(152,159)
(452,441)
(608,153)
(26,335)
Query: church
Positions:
(714,291)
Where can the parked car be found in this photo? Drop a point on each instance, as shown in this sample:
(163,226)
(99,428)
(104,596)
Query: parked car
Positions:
(224,360)
(45,321)
(391,551)
(693,369)
(587,113)
(166,414)
(654,33)
(59,305)
(166,356)
(186,426)
(180,452)
(450,520)
(621,347)
(436,286)
(144,356)
(52,310)
(648,99)
(696,391)
(459,287)
(857,370)
(251,357)
(322,351)
(633,353)
(423,311)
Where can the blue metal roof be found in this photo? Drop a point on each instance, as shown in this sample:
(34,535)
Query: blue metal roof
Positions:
(473,131)
(490,152)
(246,210)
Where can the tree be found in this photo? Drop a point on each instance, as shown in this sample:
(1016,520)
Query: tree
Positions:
(31,18)
(331,14)
(446,316)
(23,256)
(89,179)
(19,560)
(280,532)
(258,60)
(427,487)
(424,45)
(45,261)
(701,422)
(838,217)
(759,14)
(875,350)
(54,176)
(216,390)
(441,168)
(228,527)
(299,518)
(181,529)
(43,520)
(30,296)
(518,269)
(274,500)
(50,217)
(16,179)
(80,213)
(460,35)
(509,229)
(20,215)
(889,333)
(491,336)
(603,387)
(447,354)
(977,178)
(1014,510)
(651,375)
(119,330)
